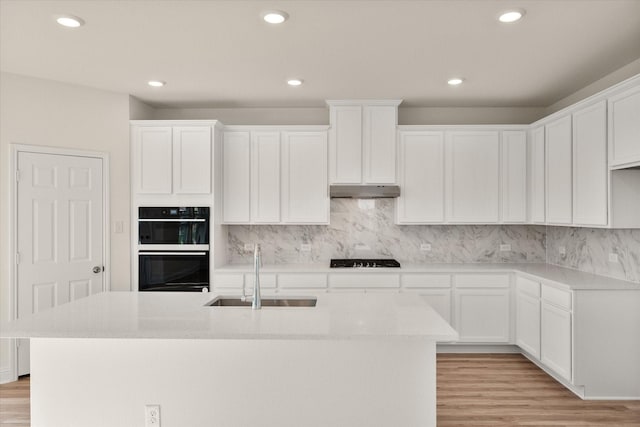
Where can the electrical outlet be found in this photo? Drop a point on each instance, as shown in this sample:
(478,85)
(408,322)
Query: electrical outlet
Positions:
(248,247)
(562,250)
(152,416)
(425,247)
(613,257)
(362,247)
(305,247)
(505,248)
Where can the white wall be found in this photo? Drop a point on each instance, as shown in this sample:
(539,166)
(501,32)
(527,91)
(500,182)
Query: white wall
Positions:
(42,112)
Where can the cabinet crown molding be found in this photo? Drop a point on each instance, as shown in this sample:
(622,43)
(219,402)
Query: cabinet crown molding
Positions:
(369,102)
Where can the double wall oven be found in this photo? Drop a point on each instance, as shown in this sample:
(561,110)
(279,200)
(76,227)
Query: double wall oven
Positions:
(173,249)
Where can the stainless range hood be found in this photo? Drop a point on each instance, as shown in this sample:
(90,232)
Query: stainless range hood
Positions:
(364,191)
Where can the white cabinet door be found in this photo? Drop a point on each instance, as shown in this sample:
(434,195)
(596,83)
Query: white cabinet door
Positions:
(624,128)
(236,172)
(345,150)
(265,177)
(192,160)
(439,300)
(537,176)
(473,176)
(379,141)
(555,345)
(514,176)
(482,315)
(305,197)
(559,174)
(528,323)
(590,170)
(421,173)
(153,159)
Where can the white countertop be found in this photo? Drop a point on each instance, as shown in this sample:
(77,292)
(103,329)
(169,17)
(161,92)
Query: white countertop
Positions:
(551,274)
(172,315)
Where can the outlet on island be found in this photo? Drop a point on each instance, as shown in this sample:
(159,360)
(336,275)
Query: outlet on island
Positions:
(305,247)
(425,247)
(152,416)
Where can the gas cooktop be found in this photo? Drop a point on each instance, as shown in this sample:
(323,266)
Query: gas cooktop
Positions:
(364,263)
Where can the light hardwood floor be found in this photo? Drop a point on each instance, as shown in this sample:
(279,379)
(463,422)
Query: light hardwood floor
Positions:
(14,403)
(473,390)
(508,390)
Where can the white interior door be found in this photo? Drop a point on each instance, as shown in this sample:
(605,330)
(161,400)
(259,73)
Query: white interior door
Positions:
(60,233)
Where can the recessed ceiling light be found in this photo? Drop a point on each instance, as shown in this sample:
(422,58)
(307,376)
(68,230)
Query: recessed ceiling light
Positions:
(275,16)
(455,81)
(156,83)
(69,21)
(511,15)
(294,82)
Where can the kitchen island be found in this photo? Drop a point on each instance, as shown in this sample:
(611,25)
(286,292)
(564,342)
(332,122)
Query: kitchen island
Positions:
(352,360)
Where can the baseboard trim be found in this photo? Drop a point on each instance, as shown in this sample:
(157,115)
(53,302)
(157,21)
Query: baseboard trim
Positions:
(477,348)
(7,376)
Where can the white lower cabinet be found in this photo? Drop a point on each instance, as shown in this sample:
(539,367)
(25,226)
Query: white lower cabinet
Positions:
(482,308)
(555,342)
(528,316)
(435,289)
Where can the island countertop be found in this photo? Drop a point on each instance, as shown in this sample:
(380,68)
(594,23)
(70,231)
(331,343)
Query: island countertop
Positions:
(174,315)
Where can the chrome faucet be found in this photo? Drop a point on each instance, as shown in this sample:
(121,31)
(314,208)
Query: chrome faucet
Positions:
(256,304)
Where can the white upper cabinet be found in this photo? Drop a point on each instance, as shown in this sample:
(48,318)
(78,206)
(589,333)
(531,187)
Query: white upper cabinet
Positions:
(305,197)
(514,176)
(362,142)
(380,143)
(624,128)
(265,177)
(192,160)
(346,144)
(473,176)
(172,160)
(537,176)
(559,171)
(153,164)
(236,177)
(421,177)
(590,171)
(275,176)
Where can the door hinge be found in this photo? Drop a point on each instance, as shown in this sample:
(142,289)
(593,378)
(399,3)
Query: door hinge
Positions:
(17,257)
(17,176)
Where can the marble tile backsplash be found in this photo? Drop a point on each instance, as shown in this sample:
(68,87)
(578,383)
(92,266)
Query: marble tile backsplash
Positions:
(588,249)
(365,228)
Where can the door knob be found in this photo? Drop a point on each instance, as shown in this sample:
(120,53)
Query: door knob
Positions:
(97,269)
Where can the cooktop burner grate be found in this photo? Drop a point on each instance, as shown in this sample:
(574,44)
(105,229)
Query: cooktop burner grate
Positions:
(364,263)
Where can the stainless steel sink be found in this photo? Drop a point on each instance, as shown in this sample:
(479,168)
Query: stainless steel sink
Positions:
(266,302)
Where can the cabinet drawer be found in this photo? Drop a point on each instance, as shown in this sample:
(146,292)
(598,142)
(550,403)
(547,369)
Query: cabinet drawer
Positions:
(528,286)
(371,280)
(421,280)
(482,280)
(556,297)
(266,280)
(228,280)
(302,280)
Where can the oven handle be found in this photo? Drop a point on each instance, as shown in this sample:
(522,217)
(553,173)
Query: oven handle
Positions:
(172,220)
(172,253)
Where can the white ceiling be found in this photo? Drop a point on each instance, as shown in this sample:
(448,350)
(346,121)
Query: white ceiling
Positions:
(221,54)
